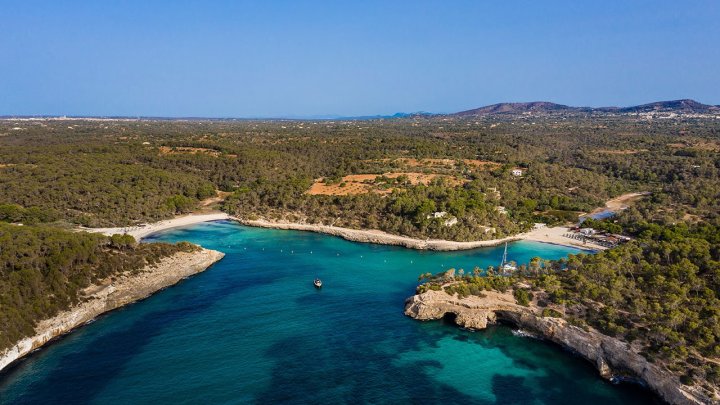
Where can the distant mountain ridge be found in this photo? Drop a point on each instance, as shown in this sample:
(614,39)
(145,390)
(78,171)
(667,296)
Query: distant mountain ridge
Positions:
(518,108)
(685,106)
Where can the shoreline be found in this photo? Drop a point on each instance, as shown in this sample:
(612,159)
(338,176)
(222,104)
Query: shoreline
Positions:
(109,296)
(143,231)
(544,235)
(377,236)
(554,236)
(551,236)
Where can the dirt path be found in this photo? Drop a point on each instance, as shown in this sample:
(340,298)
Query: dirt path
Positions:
(219,197)
(621,202)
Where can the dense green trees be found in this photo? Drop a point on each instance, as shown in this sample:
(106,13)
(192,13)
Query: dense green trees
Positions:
(43,270)
(660,291)
(94,189)
(665,286)
(403,211)
(30,216)
(115,173)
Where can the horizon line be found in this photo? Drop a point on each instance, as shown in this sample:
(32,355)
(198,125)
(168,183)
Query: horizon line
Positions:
(328,117)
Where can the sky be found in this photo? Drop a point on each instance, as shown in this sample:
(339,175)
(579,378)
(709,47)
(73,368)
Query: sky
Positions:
(265,58)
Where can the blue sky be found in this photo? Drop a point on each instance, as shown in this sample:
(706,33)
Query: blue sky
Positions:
(311,58)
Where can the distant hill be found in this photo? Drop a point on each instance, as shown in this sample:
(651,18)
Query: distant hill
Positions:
(685,106)
(678,106)
(520,108)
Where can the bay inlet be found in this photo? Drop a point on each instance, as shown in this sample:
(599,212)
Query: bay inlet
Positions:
(253,329)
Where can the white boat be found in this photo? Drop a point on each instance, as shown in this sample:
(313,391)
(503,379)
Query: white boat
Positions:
(317,283)
(505,266)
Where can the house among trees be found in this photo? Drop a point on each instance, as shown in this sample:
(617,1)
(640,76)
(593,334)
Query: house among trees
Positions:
(517,172)
(450,221)
(437,214)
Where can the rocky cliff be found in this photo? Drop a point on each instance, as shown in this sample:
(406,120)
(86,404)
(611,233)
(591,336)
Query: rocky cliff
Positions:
(611,356)
(112,295)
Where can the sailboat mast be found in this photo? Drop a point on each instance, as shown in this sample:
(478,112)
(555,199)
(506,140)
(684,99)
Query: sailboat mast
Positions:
(504,259)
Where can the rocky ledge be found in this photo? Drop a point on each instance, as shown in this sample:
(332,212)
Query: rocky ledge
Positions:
(612,357)
(377,236)
(113,294)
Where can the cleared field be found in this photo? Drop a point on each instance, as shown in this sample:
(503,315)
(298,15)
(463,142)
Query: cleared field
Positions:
(220,196)
(366,183)
(699,144)
(177,150)
(707,145)
(444,163)
(622,151)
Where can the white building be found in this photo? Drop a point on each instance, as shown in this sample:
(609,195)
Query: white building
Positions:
(450,222)
(438,214)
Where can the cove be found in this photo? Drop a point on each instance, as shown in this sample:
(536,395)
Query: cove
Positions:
(253,329)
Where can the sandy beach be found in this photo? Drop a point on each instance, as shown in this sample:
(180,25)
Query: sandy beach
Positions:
(554,235)
(139,232)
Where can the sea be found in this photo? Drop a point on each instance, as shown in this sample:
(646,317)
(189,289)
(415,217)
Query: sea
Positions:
(252,329)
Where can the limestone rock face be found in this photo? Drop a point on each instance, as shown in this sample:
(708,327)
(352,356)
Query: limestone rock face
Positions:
(103,298)
(611,356)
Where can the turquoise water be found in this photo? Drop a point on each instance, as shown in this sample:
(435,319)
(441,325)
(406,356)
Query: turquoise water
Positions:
(252,329)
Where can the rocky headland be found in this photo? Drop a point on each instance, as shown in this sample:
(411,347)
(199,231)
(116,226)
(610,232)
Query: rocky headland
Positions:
(612,357)
(113,294)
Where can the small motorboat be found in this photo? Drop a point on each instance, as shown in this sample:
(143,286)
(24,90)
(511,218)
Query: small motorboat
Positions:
(317,283)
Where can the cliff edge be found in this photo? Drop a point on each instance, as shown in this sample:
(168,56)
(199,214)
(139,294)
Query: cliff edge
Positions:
(113,294)
(611,356)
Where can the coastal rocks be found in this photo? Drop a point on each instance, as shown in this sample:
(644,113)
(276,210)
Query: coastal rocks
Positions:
(611,356)
(103,298)
(377,236)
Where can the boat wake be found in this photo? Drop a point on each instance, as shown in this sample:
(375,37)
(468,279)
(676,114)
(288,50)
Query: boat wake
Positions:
(524,333)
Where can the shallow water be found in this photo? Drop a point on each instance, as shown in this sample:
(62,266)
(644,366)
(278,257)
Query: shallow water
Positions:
(253,329)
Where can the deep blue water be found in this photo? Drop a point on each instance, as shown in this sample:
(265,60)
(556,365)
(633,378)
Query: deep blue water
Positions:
(252,329)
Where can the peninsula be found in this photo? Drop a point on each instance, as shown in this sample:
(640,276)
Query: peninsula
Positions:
(110,294)
(614,359)
(644,310)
